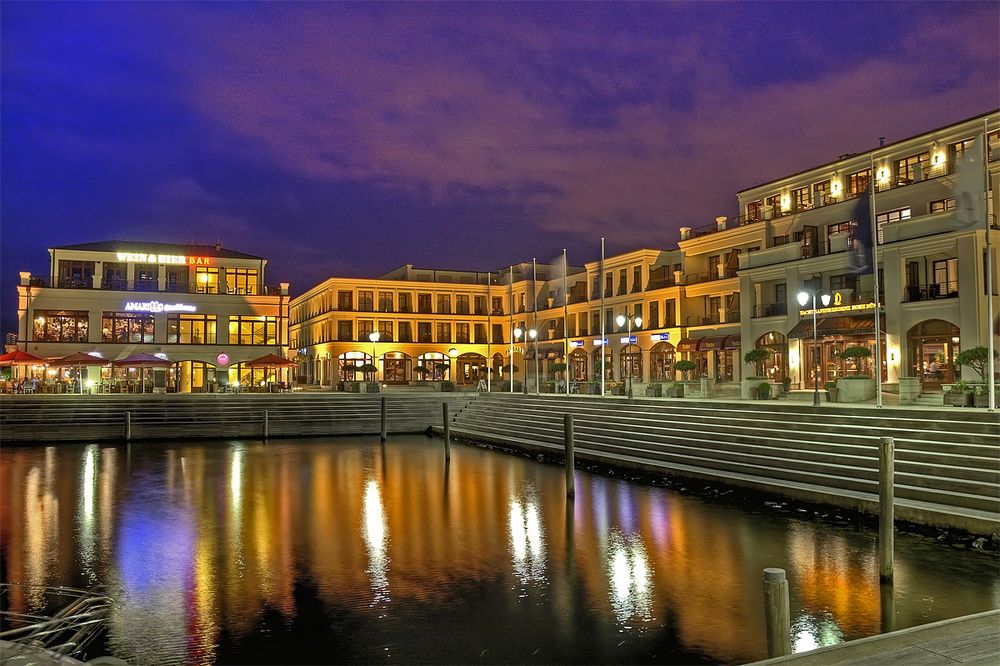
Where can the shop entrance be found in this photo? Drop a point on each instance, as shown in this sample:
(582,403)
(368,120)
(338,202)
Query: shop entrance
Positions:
(933,345)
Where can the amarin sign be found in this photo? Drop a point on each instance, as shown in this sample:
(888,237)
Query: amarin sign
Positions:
(156,306)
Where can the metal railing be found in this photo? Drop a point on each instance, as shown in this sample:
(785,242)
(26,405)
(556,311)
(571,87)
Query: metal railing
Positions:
(931,291)
(770,310)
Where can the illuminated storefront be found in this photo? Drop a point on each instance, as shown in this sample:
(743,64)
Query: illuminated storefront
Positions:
(206,309)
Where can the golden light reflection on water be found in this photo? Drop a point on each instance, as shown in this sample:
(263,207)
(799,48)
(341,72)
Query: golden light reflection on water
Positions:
(210,541)
(376,536)
(527,544)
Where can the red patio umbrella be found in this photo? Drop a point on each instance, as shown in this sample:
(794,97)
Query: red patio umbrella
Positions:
(270,361)
(78,360)
(21,358)
(142,361)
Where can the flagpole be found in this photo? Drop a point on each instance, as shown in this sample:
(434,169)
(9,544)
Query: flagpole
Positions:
(601,287)
(878,336)
(510,282)
(534,316)
(565,322)
(489,330)
(991,362)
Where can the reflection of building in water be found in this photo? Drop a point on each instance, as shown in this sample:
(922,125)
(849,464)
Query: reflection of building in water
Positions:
(832,578)
(527,544)
(631,578)
(375,532)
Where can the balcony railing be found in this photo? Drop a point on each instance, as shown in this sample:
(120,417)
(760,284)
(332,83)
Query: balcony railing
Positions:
(150,286)
(770,310)
(929,292)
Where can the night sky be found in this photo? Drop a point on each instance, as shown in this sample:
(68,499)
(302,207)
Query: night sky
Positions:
(348,139)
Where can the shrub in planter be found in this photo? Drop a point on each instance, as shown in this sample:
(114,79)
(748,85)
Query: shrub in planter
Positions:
(786,382)
(685,367)
(982,396)
(654,390)
(421,372)
(616,389)
(764,391)
(447,385)
(831,391)
(675,390)
(959,395)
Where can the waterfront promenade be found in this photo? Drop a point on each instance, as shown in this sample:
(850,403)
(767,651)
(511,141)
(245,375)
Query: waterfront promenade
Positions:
(973,639)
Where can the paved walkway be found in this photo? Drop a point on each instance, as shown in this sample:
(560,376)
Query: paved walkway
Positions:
(973,639)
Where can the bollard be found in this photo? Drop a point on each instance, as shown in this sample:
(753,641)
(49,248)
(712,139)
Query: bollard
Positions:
(886,468)
(447,432)
(128,426)
(887,601)
(383,419)
(776,614)
(570,459)
(266,424)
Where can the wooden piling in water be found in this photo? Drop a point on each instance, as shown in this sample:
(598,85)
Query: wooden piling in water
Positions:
(383,431)
(886,510)
(776,613)
(447,432)
(570,455)
(128,426)
(266,425)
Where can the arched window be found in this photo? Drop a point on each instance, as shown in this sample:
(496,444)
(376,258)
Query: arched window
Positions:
(349,362)
(437,364)
(661,362)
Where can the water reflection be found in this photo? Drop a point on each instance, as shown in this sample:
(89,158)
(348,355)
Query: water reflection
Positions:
(376,536)
(527,545)
(631,578)
(326,551)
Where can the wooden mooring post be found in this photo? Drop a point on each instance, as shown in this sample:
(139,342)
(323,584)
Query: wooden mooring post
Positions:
(776,613)
(570,456)
(267,425)
(447,432)
(383,431)
(886,470)
(128,426)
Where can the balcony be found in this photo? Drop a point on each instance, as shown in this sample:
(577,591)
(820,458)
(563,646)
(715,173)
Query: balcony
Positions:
(770,310)
(930,292)
(149,286)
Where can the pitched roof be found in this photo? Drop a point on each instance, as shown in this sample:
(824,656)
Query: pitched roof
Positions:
(159,248)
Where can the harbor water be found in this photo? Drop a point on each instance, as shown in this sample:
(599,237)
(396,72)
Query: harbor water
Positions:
(345,550)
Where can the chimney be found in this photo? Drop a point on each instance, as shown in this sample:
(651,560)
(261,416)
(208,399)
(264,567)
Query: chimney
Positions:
(218,245)
(881,141)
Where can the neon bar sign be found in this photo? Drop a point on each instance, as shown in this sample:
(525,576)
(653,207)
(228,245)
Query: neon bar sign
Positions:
(143,258)
(156,306)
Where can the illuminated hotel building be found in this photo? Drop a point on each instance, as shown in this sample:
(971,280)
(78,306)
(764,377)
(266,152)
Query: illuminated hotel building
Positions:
(728,287)
(205,308)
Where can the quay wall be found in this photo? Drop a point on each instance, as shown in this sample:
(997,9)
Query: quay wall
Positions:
(83,418)
(947,461)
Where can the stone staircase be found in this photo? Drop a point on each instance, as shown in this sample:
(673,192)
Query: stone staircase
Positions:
(931,399)
(947,461)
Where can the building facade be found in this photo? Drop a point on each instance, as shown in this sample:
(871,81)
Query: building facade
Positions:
(205,308)
(728,287)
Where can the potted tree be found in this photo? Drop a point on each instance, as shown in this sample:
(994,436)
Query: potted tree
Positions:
(856,387)
(976,358)
(786,383)
(831,391)
(370,385)
(685,367)
(654,390)
(756,358)
(554,384)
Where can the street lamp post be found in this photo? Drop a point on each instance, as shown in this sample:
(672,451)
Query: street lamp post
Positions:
(629,320)
(533,334)
(374,336)
(803,298)
(518,332)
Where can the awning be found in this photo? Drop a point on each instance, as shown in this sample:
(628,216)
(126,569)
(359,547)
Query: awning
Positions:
(844,325)
(732,342)
(712,342)
(688,344)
